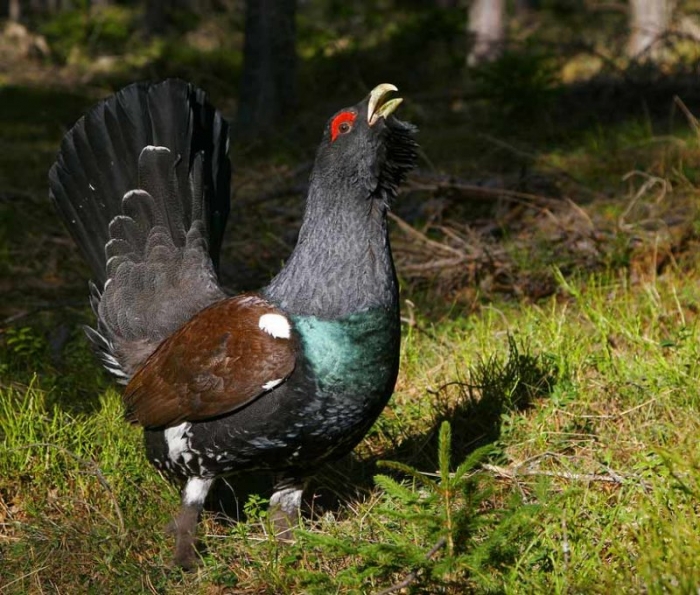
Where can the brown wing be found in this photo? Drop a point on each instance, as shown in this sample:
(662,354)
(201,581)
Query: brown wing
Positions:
(221,359)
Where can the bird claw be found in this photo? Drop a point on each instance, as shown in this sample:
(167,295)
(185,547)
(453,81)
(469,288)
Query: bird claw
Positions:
(187,559)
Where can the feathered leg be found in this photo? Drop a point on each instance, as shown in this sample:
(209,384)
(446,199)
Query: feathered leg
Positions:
(184,525)
(285,505)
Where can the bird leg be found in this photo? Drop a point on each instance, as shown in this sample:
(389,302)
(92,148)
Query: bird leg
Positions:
(284,508)
(184,525)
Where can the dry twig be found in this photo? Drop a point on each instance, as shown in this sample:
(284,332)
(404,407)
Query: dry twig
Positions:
(692,120)
(414,575)
(515,472)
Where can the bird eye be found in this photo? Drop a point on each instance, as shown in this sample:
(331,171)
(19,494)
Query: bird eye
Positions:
(342,123)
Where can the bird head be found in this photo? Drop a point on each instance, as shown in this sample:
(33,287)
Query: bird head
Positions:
(366,148)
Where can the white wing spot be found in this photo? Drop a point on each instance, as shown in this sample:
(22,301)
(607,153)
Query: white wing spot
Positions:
(272,384)
(276,325)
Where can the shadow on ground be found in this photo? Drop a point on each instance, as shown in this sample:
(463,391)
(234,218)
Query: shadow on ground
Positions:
(494,388)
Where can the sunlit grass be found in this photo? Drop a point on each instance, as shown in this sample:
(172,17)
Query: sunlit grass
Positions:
(603,464)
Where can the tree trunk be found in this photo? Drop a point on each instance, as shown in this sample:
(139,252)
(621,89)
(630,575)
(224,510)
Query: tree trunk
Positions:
(268,89)
(649,20)
(14,11)
(157,16)
(486,30)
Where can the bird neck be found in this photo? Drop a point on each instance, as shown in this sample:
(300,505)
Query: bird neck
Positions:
(342,261)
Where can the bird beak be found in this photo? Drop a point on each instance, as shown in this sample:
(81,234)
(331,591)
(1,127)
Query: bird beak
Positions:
(378,107)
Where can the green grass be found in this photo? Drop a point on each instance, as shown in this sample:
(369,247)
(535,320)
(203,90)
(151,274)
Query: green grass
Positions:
(590,483)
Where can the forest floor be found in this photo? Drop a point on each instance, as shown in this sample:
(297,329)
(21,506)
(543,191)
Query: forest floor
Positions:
(548,251)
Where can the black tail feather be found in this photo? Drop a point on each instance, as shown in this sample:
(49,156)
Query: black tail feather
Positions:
(98,161)
(142,182)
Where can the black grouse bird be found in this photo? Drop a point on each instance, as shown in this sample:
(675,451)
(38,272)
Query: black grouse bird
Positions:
(281,380)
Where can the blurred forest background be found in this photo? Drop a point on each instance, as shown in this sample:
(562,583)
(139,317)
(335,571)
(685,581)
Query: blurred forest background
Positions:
(505,94)
(267,50)
(262,38)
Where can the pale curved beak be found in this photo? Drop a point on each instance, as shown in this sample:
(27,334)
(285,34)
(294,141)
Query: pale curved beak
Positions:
(378,106)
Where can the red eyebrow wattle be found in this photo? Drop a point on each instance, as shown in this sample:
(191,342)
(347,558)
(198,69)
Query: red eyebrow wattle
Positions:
(338,120)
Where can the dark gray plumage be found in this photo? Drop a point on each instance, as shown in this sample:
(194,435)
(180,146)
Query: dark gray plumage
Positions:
(283,380)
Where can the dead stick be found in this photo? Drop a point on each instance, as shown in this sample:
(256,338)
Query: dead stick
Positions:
(414,575)
(513,473)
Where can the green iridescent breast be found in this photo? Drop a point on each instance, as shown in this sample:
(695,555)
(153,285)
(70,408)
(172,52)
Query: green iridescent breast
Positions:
(357,354)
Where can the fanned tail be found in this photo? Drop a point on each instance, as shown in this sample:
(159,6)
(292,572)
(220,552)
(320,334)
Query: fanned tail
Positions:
(142,182)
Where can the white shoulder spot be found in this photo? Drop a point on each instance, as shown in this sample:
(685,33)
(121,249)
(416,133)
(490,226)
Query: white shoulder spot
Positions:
(276,325)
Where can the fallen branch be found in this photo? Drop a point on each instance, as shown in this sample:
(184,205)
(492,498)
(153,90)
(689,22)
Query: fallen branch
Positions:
(411,231)
(692,120)
(414,575)
(514,473)
(434,182)
(524,469)
(607,416)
